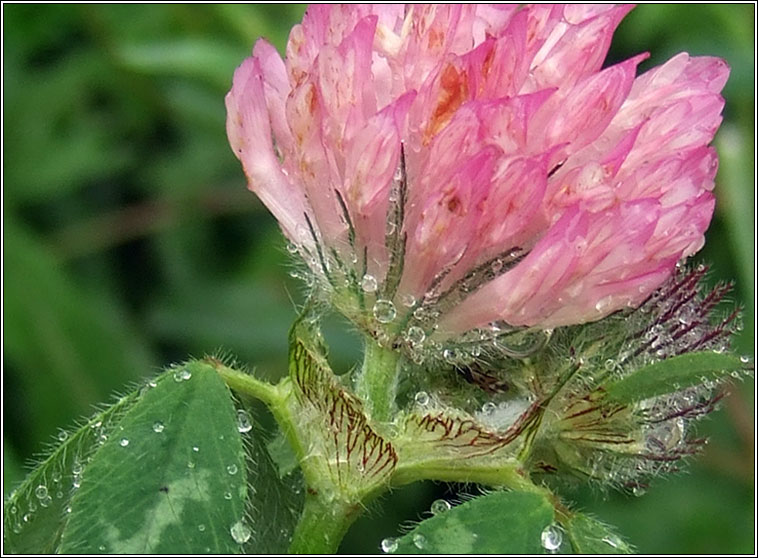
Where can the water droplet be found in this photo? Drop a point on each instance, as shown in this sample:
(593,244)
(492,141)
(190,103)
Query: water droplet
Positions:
(604,304)
(611,541)
(182,375)
(243,421)
(524,344)
(201,527)
(59,494)
(123,442)
(28,517)
(496,265)
(62,436)
(241,533)
(415,336)
(489,408)
(638,490)
(77,482)
(227,495)
(610,364)
(369,284)
(231,469)
(17,527)
(551,538)
(195,449)
(41,492)
(190,464)
(56,476)
(408,300)
(101,548)
(292,248)
(152,383)
(450,355)
(68,509)
(76,467)
(389,545)
(384,311)
(46,501)
(440,506)
(421,398)
(419,540)
(744,359)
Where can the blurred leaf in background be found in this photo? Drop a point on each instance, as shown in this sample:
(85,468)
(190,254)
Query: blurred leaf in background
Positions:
(130,241)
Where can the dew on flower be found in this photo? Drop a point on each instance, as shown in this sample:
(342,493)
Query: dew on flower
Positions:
(551,538)
(240,532)
(489,408)
(243,421)
(389,545)
(439,507)
(384,311)
(415,336)
(408,300)
(369,284)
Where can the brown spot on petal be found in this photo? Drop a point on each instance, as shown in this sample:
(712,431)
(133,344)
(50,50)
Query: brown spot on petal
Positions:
(454,205)
(436,39)
(453,92)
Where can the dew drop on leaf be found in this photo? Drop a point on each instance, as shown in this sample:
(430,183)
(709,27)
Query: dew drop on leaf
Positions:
(158,427)
(123,442)
(419,540)
(551,538)
(41,492)
(240,532)
(389,545)
(243,421)
(440,506)
(231,469)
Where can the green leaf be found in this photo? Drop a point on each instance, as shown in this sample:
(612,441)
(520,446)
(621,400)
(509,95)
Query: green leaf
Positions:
(36,511)
(170,479)
(589,536)
(674,374)
(498,523)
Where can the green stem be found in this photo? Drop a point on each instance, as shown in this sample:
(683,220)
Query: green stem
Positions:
(323,525)
(377,383)
(249,385)
(506,475)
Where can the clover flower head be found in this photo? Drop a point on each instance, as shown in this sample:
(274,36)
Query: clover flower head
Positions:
(454,173)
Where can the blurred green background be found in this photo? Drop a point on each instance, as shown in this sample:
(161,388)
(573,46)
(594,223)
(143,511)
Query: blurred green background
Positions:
(130,241)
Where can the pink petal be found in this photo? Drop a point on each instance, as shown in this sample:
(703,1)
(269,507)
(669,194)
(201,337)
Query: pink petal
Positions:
(249,132)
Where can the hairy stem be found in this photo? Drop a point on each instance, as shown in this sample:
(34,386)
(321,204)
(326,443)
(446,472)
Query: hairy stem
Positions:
(377,383)
(323,525)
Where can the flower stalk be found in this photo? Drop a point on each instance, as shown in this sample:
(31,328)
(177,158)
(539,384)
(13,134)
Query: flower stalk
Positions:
(376,383)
